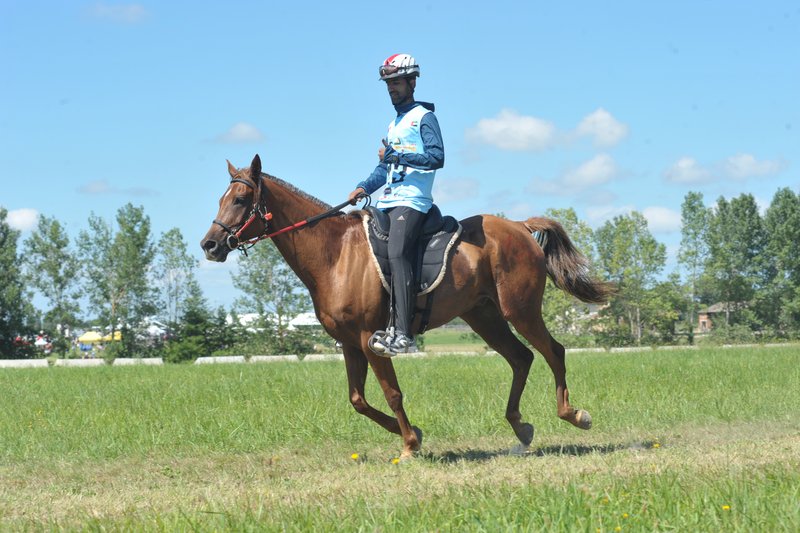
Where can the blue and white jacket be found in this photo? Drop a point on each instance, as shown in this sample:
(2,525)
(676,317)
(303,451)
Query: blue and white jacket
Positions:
(409,165)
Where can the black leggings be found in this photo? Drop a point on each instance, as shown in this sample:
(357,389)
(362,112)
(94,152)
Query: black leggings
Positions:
(404,229)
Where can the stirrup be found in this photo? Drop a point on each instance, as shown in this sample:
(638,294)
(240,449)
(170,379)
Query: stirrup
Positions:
(379,343)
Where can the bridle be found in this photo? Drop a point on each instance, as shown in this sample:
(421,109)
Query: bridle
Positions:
(259,211)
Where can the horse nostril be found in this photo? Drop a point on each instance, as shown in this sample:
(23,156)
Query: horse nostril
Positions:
(209,245)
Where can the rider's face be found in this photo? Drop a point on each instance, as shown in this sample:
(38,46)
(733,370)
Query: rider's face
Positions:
(401,90)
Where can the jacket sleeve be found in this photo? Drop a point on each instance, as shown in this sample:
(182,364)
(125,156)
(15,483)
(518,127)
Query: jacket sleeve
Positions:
(433,158)
(375,180)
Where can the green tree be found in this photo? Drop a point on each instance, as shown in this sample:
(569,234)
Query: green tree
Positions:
(782,259)
(631,257)
(694,250)
(562,312)
(15,309)
(175,273)
(195,326)
(117,268)
(224,335)
(661,307)
(273,291)
(53,268)
(735,263)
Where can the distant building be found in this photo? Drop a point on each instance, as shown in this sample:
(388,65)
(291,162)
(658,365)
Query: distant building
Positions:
(715,314)
(249,319)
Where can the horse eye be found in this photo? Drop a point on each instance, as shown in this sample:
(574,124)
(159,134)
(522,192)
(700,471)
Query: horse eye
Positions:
(239,200)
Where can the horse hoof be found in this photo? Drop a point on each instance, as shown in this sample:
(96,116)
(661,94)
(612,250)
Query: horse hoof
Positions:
(418,433)
(583,419)
(406,457)
(525,434)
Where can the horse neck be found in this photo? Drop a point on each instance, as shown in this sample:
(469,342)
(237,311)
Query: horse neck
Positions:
(309,250)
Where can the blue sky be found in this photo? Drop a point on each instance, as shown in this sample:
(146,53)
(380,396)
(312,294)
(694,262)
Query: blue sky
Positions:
(603,107)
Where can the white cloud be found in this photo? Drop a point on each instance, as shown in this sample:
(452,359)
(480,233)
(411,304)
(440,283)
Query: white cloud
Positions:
(662,219)
(124,13)
(521,133)
(687,170)
(95,187)
(241,132)
(762,203)
(513,132)
(743,166)
(739,167)
(599,197)
(605,130)
(597,215)
(598,170)
(455,189)
(519,211)
(659,219)
(23,219)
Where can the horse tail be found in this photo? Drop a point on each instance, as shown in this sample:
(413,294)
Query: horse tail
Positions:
(566,266)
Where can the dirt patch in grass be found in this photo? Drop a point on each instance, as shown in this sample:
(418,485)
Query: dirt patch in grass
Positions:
(59,492)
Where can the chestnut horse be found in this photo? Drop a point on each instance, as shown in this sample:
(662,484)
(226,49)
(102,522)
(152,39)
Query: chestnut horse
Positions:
(495,276)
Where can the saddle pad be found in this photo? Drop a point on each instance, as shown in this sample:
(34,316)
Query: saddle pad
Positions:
(430,266)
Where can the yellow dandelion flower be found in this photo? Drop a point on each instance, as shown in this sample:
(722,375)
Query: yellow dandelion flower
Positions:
(726,507)
(656,445)
(354,457)
(396,460)
(624,515)
(617,528)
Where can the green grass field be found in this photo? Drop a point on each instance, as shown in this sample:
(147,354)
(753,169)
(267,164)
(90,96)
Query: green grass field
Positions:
(705,440)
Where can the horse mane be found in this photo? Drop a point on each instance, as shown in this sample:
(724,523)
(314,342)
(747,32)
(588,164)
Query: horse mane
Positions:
(322,205)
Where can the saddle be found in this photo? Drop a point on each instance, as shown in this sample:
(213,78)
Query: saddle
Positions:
(439,234)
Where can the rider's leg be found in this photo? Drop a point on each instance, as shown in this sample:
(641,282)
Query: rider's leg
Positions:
(404,230)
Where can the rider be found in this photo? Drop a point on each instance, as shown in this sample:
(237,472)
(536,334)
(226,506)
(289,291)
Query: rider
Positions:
(408,165)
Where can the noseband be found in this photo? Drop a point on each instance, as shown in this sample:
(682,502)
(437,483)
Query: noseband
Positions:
(258,211)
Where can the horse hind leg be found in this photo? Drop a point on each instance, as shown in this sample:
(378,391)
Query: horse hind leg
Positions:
(535,331)
(487,322)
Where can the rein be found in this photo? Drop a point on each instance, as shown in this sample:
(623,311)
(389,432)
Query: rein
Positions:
(260,210)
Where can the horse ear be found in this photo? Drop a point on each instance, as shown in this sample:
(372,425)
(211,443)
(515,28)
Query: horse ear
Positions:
(231,169)
(255,167)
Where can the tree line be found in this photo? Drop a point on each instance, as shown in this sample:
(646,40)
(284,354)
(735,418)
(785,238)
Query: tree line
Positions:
(733,260)
(116,274)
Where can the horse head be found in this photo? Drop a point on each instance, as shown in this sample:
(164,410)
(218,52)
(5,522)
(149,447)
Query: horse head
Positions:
(242,214)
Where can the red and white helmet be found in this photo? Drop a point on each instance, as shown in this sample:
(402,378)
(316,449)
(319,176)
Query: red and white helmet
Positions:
(398,66)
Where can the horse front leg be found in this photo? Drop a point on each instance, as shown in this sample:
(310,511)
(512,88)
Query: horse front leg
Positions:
(385,374)
(357,366)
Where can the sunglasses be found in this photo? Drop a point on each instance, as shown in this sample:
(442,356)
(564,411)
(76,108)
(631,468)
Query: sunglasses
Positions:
(388,70)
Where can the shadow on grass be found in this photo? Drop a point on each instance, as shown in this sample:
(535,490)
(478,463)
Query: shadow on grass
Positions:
(572,450)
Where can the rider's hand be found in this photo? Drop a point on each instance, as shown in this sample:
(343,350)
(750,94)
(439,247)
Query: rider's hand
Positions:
(353,198)
(387,154)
